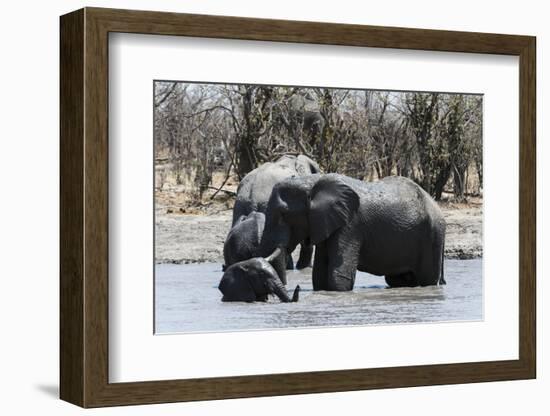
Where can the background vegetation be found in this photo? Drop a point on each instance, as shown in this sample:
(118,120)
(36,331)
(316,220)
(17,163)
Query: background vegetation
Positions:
(206,129)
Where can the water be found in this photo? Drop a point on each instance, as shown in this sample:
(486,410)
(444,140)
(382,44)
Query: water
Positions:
(188,300)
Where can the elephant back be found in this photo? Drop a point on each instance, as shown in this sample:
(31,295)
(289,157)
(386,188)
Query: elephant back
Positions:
(243,238)
(255,188)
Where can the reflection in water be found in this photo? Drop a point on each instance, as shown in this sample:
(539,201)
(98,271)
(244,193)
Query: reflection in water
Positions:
(188,300)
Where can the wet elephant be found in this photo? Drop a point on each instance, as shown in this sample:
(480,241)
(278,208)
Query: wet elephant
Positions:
(390,228)
(244,238)
(253,280)
(255,189)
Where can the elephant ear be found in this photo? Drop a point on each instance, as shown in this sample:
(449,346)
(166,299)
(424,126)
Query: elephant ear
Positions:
(235,286)
(333,204)
(306,166)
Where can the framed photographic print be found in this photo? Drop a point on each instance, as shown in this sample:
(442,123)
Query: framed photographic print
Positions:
(255,207)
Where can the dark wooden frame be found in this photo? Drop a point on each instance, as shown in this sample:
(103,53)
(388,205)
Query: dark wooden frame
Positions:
(84,208)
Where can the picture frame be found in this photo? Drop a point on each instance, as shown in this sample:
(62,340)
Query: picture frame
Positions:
(84,215)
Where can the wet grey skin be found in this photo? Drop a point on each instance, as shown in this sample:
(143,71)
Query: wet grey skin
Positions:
(390,228)
(243,239)
(253,280)
(253,196)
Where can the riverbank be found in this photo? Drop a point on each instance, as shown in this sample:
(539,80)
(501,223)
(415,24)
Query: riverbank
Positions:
(184,236)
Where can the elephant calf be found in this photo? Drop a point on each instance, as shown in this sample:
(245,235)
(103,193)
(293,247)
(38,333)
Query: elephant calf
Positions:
(253,280)
(243,240)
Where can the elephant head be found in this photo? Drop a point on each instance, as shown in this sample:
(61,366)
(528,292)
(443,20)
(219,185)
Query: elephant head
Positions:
(305,116)
(301,164)
(253,280)
(306,208)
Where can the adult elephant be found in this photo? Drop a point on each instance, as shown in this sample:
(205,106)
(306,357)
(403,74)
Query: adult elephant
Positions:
(306,117)
(255,189)
(390,228)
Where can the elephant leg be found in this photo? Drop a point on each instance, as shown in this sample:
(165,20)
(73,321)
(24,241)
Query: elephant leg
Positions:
(431,267)
(430,273)
(343,252)
(320,267)
(289,261)
(402,280)
(306,253)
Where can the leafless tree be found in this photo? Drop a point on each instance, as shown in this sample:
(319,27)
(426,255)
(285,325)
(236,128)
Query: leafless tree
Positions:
(433,138)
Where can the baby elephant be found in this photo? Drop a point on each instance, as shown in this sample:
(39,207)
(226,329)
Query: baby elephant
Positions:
(253,280)
(244,238)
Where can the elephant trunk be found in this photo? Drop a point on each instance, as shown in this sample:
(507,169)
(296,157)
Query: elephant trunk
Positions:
(274,252)
(275,237)
(296,294)
(280,291)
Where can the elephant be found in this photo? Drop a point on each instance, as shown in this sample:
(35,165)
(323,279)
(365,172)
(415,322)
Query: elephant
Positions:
(255,189)
(253,280)
(306,117)
(244,238)
(390,228)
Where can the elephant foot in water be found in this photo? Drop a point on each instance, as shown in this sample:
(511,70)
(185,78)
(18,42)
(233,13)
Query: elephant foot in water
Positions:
(303,264)
(306,254)
(289,262)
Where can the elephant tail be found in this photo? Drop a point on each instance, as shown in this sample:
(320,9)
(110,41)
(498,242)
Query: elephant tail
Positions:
(296,294)
(442,271)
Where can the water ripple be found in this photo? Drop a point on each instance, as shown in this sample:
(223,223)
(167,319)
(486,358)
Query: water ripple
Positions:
(187,300)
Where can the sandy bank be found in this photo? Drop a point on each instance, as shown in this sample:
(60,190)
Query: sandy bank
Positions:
(196,238)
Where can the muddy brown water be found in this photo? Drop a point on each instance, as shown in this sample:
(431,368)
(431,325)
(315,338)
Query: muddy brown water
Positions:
(187,300)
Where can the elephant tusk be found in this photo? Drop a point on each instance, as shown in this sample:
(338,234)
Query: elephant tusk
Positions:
(274,255)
